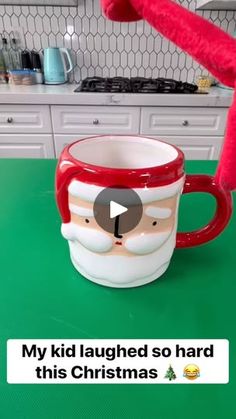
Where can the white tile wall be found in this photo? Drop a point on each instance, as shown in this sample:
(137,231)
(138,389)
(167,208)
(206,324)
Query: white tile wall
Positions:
(101,47)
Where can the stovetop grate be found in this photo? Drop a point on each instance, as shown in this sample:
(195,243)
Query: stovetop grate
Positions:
(134,85)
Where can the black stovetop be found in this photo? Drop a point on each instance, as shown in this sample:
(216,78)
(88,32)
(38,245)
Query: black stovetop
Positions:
(134,85)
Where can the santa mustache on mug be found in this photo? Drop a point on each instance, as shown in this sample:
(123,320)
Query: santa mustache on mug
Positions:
(154,237)
(99,241)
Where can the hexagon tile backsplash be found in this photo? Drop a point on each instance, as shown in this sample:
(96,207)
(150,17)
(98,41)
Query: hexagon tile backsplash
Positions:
(104,48)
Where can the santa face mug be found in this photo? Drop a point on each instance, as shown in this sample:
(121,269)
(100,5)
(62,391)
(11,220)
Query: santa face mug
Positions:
(154,170)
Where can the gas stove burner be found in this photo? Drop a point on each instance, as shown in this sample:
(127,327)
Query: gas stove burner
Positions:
(99,84)
(134,85)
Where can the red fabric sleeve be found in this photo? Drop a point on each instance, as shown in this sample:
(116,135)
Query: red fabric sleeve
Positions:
(205,42)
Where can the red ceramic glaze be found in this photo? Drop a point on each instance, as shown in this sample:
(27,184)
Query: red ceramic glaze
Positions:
(69,169)
(204,183)
(190,32)
(105,176)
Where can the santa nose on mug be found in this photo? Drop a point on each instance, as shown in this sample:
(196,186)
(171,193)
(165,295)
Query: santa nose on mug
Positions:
(102,248)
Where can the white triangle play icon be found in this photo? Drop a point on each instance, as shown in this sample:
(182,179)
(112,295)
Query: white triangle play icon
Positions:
(116,209)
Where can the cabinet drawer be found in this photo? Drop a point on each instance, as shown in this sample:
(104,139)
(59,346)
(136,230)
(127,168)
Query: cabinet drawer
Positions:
(183,121)
(60,141)
(26,146)
(197,148)
(25,119)
(95,119)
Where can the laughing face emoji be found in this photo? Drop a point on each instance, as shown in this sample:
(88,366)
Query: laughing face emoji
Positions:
(191,371)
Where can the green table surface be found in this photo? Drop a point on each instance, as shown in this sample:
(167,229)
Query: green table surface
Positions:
(42,296)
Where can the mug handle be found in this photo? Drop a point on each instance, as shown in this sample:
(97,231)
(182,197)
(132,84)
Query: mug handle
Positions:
(224,207)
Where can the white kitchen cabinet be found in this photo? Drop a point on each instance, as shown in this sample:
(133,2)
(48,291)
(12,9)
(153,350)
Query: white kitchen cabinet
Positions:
(61,140)
(183,121)
(26,146)
(40,132)
(197,148)
(25,119)
(95,119)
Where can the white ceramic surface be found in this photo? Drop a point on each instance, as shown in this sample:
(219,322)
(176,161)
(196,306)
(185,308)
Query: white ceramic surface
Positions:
(142,254)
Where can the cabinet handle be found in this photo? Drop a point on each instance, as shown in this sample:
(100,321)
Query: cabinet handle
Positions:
(10,120)
(95,122)
(185,123)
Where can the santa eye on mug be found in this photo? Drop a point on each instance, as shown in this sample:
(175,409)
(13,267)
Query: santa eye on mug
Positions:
(158,214)
(80,213)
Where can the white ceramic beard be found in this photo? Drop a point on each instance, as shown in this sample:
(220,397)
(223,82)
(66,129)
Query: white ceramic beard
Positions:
(149,256)
(100,242)
(92,239)
(143,244)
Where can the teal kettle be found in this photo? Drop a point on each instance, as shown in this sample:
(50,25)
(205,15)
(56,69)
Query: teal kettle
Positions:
(57,65)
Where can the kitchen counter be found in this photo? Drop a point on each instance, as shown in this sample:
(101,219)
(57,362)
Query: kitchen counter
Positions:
(43,296)
(64,95)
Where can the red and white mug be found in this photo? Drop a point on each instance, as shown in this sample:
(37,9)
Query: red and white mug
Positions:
(155,171)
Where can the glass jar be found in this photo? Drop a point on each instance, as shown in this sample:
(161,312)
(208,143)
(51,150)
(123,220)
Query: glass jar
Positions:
(203,83)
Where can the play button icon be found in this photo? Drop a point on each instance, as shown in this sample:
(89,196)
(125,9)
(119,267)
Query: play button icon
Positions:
(118,210)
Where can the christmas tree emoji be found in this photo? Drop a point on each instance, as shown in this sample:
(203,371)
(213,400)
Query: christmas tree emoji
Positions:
(170,374)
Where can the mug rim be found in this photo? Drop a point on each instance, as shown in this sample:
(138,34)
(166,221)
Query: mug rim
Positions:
(150,176)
